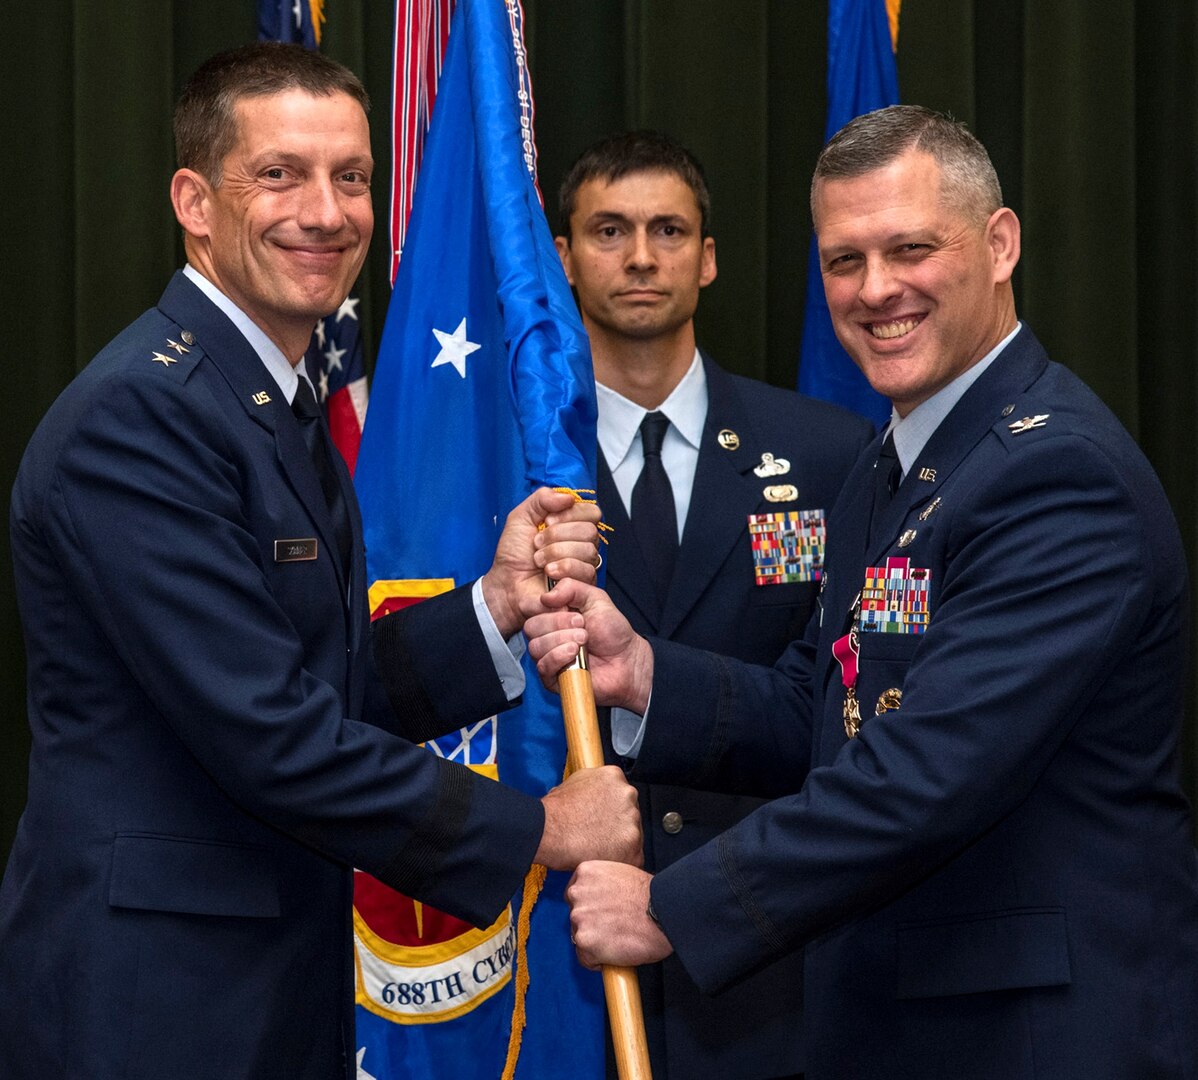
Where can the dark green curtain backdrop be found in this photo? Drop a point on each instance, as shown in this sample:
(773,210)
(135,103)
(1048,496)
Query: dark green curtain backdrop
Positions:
(1088,110)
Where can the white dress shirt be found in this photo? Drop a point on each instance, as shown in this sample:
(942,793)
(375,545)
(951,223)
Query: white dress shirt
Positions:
(619,432)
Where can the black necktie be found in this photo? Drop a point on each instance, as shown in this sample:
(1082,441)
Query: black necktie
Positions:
(888,473)
(654,519)
(307,412)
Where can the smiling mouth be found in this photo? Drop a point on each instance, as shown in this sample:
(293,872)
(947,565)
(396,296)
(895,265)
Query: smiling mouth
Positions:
(314,252)
(896,328)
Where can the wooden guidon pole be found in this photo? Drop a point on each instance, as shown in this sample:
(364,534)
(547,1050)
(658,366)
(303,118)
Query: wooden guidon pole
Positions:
(620,987)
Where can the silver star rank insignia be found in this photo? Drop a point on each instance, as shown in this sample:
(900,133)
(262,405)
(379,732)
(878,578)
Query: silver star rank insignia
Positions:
(1027,423)
(163,359)
(176,346)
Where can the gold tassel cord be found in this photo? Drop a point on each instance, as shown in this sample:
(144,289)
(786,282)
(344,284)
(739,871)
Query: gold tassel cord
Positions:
(578,494)
(533,884)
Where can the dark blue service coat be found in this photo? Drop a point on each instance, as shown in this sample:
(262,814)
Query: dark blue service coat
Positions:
(751,1031)
(213,750)
(996,879)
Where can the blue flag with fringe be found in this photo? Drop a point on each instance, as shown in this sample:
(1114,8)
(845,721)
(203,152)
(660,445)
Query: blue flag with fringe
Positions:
(483,390)
(862,76)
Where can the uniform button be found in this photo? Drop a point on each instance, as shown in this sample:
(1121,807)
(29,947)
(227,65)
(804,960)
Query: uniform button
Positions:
(672,822)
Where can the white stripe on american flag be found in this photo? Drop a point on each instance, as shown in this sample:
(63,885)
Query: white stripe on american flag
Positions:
(421,32)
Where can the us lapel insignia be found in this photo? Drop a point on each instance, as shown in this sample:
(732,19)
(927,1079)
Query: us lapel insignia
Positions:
(772,466)
(906,538)
(728,439)
(930,509)
(1028,423)
(261,398)
(781,493)
(787,546)
(188,337)
(163,359)
(928,475)
(890,699)
(176,346)
(303,550)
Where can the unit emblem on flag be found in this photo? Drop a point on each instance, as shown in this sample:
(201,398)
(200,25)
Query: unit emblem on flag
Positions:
(414,964)
(787,546)
(894,599)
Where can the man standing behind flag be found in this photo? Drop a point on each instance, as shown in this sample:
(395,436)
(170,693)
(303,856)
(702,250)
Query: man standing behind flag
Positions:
(749,473)
(217,740)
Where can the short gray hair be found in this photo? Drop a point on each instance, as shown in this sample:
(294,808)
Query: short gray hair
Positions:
(969,183)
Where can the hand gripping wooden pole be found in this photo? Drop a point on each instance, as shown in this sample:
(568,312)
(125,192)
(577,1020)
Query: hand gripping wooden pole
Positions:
(620,987)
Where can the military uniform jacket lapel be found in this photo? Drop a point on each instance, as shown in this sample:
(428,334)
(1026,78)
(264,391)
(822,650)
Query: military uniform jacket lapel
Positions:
(980,410)
(725,492)
(263,402)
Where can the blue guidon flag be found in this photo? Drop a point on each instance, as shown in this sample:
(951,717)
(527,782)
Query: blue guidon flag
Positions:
(483,391)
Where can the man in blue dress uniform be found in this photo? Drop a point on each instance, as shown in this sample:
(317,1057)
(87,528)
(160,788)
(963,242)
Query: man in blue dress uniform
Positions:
(219,736)
(977,829)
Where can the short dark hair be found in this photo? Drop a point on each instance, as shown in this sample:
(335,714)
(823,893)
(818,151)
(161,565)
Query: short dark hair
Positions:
(634,152)
(968,181)
(206,117)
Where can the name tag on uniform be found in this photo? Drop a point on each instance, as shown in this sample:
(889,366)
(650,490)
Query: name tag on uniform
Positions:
(787,546)
(296,550)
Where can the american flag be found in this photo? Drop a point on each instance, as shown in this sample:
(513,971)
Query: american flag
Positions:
(421,33)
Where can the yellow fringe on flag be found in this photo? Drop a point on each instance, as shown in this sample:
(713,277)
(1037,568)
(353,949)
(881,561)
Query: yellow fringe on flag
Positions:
(892,13)
(318,17)
(533,884)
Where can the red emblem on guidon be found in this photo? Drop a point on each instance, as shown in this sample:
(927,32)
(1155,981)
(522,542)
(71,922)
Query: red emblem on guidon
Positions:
(414,964)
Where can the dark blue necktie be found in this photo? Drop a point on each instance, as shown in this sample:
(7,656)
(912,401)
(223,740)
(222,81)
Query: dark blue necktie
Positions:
(307,412)
(888,473)
(654,519)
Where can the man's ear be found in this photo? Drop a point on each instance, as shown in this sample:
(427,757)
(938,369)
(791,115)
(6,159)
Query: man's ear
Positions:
(1003,236)
(190,196)
(563,252)
(707,270)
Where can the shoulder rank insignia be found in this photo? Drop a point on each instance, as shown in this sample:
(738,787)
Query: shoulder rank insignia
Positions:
(1027,423)
(772,466)
(176,346)
(163,359)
